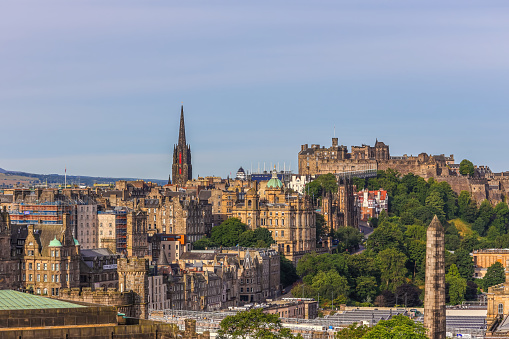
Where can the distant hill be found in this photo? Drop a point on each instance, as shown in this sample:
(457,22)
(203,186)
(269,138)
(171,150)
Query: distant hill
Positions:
(71,179)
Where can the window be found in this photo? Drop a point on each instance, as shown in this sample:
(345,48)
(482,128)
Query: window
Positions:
(52,267)
(282,233)
(56,267)
(38,266)
(45,266)
(45,278)
(29,277)
(500,308)
(38,279)
(30,266)
(57,252)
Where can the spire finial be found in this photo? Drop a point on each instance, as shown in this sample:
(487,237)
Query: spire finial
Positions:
(182,130)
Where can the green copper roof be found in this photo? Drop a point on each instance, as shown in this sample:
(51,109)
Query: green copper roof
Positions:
(13,300)
(55,242)
(76,243)
(274,182)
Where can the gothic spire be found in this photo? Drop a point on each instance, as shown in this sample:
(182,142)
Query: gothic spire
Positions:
(182,130)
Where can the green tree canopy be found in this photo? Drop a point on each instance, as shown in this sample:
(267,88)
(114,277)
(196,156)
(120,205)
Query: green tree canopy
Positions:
(392,267)
(457,285)
(466,167)
(353,331)
(495,274)
(323,184)
(288,272)
(253,324)
(400,327)
(228,233)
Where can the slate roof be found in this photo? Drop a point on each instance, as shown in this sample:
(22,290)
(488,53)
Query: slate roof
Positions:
(195,255)
(13,300)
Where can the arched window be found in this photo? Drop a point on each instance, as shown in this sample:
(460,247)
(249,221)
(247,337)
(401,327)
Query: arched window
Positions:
(500,308)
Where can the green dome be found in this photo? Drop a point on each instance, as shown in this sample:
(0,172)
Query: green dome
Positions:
(76,243)
(274,182)
(55,242)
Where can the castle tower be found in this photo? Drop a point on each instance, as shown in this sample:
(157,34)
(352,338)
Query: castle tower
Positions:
(133,276)
(434,298)
(182,170)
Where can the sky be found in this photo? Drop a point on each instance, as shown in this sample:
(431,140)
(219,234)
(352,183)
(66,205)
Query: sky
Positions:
(96,86)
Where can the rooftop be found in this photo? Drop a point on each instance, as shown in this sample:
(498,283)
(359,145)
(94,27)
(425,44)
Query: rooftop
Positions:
(13,300)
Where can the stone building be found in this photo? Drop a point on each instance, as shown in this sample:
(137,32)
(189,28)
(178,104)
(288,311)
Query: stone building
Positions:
(86,226)
(484,258)
(181,170)
(98,268)
(289,217)
(434,290)
(180,213)
(10,259)
(371,203)
(317,160)
(133,276)
(244,275)
(341,209)
(51,258)
(136,234)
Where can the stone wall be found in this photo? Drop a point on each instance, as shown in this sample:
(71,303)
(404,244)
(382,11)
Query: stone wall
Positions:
(122,301)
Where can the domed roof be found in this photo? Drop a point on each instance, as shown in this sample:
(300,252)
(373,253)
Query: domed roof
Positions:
(274,182)
(76,243)
(55,242)
(241,170)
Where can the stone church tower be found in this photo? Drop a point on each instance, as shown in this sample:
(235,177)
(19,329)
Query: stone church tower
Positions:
(434,297)
(182,170)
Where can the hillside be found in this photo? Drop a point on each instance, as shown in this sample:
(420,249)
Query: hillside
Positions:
(463,228)
(14,177)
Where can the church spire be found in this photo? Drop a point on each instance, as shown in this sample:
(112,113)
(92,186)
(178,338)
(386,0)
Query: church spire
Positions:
(182,130)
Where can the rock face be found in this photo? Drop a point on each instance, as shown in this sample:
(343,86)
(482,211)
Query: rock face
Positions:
(434,298)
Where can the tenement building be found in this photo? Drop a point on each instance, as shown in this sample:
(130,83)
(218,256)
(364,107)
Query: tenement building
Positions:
(51,258)
(182,170)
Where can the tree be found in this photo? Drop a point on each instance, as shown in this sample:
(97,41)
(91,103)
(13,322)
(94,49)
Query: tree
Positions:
(323,184)
(263,234)
(203,243)
(321,227)
(466,167)
(253,324)
(400,327)
(366,288)
(465,264)
(392,267)
(494,275)
(387,235)
(288,273)
(457,285)
(435,202)
(330,284)
(408,295)
(227,234)
(353,331)
(349,238)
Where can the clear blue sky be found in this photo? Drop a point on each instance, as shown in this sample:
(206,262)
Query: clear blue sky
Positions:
(97,85)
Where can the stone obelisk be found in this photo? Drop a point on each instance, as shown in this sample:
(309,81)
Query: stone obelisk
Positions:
(434,298)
